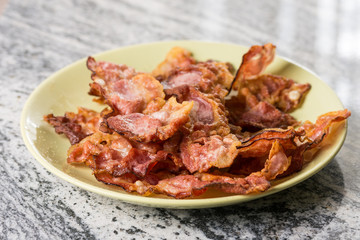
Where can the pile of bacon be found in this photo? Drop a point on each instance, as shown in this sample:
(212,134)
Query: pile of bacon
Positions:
(176,131)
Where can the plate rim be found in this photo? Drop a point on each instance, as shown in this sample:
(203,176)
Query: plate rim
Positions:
(166,202)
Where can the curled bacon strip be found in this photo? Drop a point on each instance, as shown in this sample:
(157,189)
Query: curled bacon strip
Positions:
(75,126)
(123,89)
(260,143)
(254,63)
(265,115)
(177,57)
(160,125)
(317,132)
(206,152)
(115,155)
(96,143)
(283,93)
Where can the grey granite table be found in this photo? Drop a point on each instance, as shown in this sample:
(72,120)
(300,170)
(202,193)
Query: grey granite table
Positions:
(38,38)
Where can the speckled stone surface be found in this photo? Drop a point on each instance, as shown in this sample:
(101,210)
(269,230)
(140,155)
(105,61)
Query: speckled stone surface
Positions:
(38,38)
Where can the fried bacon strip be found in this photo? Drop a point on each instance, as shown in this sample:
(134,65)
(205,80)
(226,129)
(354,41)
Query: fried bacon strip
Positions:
(96,143)
(317,132)
(114,154)
(260,116)
(276,164)
(208,113)
(160,125)
(265,115)
(259,144)
(124,90)
(204,76)
(177,57)
(283,93)
(191,75)
(254,63)
(179,69)
(75,126)
(223,72)
(203,153)
(263,100)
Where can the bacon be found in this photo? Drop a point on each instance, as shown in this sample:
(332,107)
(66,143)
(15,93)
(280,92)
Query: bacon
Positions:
(254,63)
(191,75)
(94,144)
(159,125)
(297,159)
(123,89)
(283,93)
(260,143)
(208,113)
(75,126)
(128,182)
(182,186)
(254,149)
(186,185)
(276,164)
(206,152)
(207,77)
(177,57)
(138,162)
(317,132)
(115,155)
(176,135)
(223,72)
(292,97)
(262,115)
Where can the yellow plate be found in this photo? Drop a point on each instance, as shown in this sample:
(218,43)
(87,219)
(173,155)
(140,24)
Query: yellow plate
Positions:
(67,89)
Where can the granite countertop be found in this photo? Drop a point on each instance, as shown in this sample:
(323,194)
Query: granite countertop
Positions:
(38,38)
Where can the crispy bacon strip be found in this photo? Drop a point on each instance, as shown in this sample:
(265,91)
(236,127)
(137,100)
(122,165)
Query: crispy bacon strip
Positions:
(283,93)
(177,57)
(123,89)
(297,159)
(276,164)
(204,76)
(183,186)
(317,132)
(260,116)
(115,155)
(254,63)
(96,143)
(260,143)
(191,185)
(191,75)
(128,182)
(138,162)
(206,152)
(223,72)
(75,126)
(208,113)
(159,125)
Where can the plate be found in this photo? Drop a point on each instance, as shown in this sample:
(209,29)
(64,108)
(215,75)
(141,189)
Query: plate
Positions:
(67,89)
